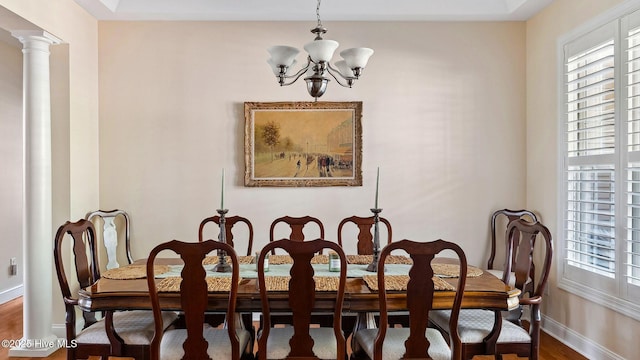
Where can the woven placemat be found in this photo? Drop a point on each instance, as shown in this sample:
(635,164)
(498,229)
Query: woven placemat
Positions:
(320,259)
(131,272)
(366,259)
(280,259)
(453,270)
(214,284)
(399,283)
(287,259)
(212,260)
(281,283)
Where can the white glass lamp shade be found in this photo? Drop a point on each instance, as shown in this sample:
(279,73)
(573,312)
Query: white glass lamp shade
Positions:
(344,69)
(283,55)
(276,69)
(321,50)
(356,57)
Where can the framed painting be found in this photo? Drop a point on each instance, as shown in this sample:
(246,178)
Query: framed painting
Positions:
(299,144)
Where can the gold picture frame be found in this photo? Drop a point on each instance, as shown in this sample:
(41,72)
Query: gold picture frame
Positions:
(298,144)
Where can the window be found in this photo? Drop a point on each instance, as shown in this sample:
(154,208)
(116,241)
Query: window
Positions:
(600,189)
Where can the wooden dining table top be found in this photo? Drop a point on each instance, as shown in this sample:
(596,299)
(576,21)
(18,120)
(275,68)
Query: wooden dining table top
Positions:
(484,291)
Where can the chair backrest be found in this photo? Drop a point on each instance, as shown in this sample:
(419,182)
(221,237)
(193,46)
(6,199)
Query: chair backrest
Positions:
(297,225)
(365,236)
(110,234)
(511,215)
(82,235)
(522,235)
(420,293)
(193,292)
(303,303)
(230,222)
(521,252)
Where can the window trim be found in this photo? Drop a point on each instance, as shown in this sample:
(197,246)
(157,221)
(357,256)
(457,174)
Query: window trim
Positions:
(613,302)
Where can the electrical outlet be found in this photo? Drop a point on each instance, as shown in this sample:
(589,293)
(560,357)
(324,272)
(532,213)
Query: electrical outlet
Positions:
(13,268)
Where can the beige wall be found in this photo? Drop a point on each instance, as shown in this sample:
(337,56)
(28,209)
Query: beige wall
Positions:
(11,160)
(67,21)
(74,107)
(584,318)
(443,118)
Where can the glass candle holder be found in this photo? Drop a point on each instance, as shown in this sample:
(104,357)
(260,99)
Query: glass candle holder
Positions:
(334,261)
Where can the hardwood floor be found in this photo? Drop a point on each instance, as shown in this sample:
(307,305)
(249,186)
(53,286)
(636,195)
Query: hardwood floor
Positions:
(11,328)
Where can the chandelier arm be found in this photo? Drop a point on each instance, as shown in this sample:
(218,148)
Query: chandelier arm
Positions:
(295,76)
(340,79)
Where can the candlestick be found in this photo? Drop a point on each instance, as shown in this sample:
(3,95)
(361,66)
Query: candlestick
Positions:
(222,191)
(373,267)
(222,265)
(377,184)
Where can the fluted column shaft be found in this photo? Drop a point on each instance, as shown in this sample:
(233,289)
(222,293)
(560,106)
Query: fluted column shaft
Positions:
(37,229)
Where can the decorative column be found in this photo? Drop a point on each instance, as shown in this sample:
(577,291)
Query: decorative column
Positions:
(38,340)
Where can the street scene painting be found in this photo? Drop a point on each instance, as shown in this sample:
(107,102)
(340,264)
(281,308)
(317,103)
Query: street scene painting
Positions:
(303,144)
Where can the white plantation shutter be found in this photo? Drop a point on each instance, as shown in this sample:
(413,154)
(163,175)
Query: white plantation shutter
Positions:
(590,241)
(632,250)
(601,164)
(631,32)
(590,157)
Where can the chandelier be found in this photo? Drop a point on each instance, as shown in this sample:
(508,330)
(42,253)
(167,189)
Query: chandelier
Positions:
(320,52)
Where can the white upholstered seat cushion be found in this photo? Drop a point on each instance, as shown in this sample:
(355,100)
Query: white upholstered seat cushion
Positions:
(135,327)
(475,325)
(393,345)
(324,342)
(218,339)
(500,273)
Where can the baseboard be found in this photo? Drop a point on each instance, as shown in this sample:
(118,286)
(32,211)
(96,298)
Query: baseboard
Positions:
(10,294)
(578,342)
(59,330)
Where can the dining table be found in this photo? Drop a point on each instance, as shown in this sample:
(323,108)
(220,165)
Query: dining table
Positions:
(114,293)
(484,291)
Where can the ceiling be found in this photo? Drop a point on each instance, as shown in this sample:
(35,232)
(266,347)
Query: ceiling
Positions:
(305,10)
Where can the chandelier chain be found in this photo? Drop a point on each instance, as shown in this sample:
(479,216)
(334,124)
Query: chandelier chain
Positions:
(318,14)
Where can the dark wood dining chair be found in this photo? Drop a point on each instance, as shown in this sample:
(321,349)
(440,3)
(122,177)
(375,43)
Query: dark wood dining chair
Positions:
(365,232)
(364,246)
(301,341)
(513,337)
(230,222)
(297,225)
(197,341)
(215,319)
(114,226)
(124,333)
(496,234)
(418,341)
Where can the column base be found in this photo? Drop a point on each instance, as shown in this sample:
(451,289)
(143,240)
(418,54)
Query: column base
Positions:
(37,347)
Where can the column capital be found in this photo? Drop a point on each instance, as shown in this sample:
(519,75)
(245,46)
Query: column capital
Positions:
(26,35)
